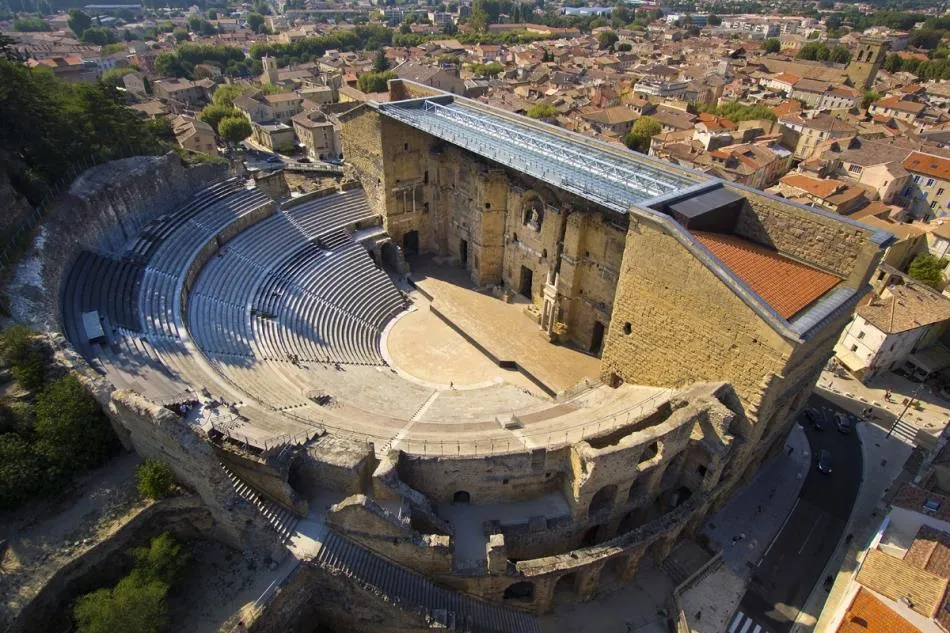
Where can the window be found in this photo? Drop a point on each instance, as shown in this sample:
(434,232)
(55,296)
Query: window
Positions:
(855,169)
(930,182)
(933,205)
(854,348)
(916,178)
(940,191)
(861,334)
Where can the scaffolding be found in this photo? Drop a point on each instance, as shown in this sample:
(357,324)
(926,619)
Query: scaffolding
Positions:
(601,176)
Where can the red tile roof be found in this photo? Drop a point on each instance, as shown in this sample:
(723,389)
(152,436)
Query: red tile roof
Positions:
(785,284)
(928,165)
(867,614)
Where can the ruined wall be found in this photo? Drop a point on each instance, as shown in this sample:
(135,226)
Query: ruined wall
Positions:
(361,519)
(693,328)
(330,463)
(313,597)
(363,147)
(108,561)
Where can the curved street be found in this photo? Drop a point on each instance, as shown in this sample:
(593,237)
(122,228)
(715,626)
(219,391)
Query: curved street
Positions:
(791,566)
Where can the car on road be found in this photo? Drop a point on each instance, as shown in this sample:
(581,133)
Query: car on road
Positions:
(815,418)
(274,159)
(824,461)
(844,423)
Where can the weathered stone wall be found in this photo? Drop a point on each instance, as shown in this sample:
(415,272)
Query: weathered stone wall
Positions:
(361,519)
(692,328)
(108,561)
(802,234)
(268,476)
(330,463)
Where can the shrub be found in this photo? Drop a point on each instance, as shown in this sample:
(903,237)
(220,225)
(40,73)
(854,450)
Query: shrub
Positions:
(162,560)
(71,430)
(154,479)
(27,357)
(541,111)
(21,471)
(374,82)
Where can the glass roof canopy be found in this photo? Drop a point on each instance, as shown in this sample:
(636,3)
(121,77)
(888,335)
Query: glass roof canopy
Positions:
(588,168)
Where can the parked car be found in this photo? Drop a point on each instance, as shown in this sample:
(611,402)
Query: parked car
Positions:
(815,418)
(274,159)
(844,423)
(824,461)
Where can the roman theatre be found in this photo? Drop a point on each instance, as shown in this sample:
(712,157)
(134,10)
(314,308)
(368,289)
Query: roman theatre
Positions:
(494,370)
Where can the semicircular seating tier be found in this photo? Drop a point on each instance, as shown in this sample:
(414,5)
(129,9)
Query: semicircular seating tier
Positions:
(280,313)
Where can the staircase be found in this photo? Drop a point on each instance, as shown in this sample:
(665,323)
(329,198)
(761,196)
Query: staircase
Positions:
(446,609)
(281,519)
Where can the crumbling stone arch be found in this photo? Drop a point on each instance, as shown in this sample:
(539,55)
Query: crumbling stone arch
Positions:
(522,591)
(593,535)
(461,496)
(565,588)
(603,501)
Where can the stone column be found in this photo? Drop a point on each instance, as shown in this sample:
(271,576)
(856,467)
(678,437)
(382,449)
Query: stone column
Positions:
(588,581)
(544,593)
(631,562)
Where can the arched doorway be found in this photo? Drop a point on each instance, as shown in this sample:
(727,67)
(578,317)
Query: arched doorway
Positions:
(564,590)
(520,592)
(593,535)
(461,497)
(603,501)
(410,243)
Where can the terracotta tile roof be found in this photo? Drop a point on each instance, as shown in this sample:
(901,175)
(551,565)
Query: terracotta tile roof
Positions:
(788,78)
(786,285)
(867,614)
(892,577)
(821,188)
(896,103)
(911,497)
(928,164)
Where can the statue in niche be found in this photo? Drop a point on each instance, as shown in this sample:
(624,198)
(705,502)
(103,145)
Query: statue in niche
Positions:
(534,214)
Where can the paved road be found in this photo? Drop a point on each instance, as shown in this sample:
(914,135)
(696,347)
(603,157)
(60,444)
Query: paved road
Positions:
(793,564)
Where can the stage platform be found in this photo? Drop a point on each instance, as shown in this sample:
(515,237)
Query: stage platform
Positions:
(500,330)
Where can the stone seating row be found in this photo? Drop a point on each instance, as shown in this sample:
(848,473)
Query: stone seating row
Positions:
(321,216)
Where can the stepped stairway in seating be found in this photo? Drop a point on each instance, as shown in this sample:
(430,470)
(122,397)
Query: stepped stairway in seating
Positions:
(281,519)
(413,592)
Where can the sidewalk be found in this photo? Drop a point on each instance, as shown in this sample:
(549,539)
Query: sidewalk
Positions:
(744,529)
(932,417)
(883,459)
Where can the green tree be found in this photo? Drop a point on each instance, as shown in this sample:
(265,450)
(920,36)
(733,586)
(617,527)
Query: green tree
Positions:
(771,45)
(212,114)
(374,82)
(113,76)
(380,63)
(21,471)
(840,55)
(893,63)
(131,607)
(478,20)
(78,22)
(256,22)
(449,28)
(180,34)
(154,478)
(869,97)
(714,20)
(27,357)
(99,36)
(927,269)
(234,129)
(212,14)
(71,430)
(492,69)
(541,111)
(162,560)
(31,24)
(606,39)
(643,130)
(225,93)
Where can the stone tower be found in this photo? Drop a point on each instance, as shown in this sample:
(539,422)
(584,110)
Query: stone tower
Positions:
(866,62)
(270,70)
